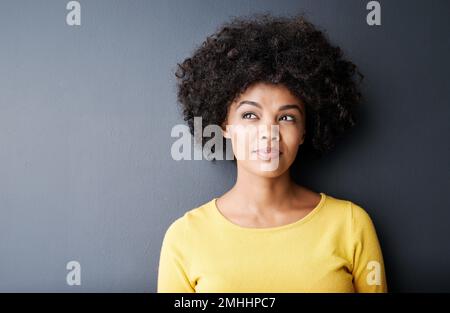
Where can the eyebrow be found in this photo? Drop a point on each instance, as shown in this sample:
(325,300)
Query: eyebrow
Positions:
(282,108)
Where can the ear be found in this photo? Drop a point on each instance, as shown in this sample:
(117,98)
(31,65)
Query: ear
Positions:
(225,131)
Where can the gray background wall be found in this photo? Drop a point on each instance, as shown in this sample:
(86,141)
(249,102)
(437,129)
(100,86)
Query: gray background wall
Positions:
(86,113)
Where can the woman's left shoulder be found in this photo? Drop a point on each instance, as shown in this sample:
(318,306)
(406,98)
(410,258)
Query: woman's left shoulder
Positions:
(345,207)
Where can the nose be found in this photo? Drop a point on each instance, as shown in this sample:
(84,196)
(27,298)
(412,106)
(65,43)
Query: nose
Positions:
(271,130)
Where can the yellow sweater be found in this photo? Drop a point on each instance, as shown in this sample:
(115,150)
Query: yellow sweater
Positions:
(332,249)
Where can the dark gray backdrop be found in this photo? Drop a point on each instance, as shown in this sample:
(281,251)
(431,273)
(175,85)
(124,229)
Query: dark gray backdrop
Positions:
(86,113)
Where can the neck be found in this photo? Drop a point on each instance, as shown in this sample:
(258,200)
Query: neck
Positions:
(263,194)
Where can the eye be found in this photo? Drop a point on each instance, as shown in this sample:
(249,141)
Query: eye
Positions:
(290,118)
(248,114)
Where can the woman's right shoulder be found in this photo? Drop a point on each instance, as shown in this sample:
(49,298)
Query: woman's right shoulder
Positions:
(192,219)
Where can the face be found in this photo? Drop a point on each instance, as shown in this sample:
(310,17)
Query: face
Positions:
(266,126)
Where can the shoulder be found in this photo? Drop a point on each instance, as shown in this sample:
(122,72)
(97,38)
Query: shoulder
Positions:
(346,209)
(193,219)
(337,206)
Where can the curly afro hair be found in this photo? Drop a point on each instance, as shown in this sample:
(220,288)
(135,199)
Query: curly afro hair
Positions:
(280,50)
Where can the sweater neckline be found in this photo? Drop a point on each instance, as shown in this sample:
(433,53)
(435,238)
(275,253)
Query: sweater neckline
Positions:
(225,221)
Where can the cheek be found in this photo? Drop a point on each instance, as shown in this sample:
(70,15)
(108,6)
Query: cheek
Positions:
(292,137)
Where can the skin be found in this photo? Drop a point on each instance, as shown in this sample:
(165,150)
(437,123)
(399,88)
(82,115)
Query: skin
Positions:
(264,198)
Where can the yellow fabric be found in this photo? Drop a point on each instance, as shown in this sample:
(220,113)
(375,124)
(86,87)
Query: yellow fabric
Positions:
(332,249)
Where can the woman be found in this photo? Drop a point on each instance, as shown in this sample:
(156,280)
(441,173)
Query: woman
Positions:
(277,83)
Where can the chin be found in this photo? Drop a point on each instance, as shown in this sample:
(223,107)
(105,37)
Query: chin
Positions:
(266,169)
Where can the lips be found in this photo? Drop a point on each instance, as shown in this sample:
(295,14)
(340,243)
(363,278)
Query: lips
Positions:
(268,153)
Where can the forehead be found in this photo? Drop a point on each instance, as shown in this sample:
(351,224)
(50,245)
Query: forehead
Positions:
(268,94)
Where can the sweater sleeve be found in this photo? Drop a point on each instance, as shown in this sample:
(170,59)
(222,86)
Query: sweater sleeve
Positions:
(173,261)
(368,265)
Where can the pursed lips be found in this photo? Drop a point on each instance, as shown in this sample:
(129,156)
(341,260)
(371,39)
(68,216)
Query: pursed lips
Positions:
(268,152)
